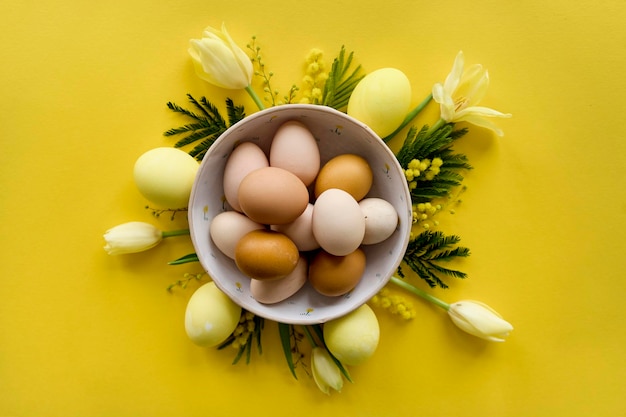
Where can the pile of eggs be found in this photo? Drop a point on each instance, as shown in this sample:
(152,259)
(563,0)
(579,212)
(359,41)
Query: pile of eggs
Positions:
(293,220)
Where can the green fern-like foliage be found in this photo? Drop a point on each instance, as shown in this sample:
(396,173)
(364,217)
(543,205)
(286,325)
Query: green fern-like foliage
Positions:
(341,81)
(206,126)
(426,252)
(424,144)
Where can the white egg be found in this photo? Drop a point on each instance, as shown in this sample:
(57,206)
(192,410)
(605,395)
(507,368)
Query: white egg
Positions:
(338,223)
(381,219)
(228,227)
(210,316)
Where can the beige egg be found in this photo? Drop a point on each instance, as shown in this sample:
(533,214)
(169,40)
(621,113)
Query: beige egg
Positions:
(338,224)
(244,159)
(300,231)
(277,290)
(228,227)
(381,219)
(272,196)
(210,316)
(336,275)
(348,172)
(266,255)
(295,149)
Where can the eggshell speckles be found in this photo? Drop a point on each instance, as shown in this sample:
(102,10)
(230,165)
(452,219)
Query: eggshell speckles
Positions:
(228,227)
(354,337)
(338,223)
(294,149)
(210,316)
(347,172)
(336,275)
(244,159)
(381,219)
(165,176)
(274,291)
(265,254)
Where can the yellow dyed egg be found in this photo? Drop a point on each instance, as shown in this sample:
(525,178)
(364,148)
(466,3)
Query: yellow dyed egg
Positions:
(165,176)
(381,100)
(210,316)
(354,337)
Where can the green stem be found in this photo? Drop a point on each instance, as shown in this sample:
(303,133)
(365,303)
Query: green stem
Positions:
(171,233)
(403,284)
(409,117)
(255,97)
(309,336)
(438,124)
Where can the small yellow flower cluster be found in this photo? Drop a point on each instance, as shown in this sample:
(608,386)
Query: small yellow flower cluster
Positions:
(424,170)
(244,329)
(314,79)
(423,212)
(395,304)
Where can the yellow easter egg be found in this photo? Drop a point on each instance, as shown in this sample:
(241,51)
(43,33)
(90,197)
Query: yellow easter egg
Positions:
(353,338)
(165,176)
(210,316)
(381,100)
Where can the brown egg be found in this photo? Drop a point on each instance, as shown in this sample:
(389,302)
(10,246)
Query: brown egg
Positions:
(336,275)
(265,254)
(272,195)
(348,172)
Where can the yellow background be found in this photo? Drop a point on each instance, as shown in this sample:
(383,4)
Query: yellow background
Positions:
(83,90)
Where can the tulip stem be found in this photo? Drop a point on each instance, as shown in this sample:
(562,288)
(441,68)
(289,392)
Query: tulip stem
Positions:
(438,124)
(309,336)
(255,97)
(409,117)
(172,233)
(405,285)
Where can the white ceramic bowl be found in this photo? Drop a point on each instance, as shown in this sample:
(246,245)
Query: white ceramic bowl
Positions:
(336,133)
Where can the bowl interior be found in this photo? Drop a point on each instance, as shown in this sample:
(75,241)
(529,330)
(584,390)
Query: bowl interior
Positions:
(336,134)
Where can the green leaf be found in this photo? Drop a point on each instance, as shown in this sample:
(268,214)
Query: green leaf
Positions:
(320,334)
(284,331)
(208,124)
(425,252)
(339,86)
(192,257)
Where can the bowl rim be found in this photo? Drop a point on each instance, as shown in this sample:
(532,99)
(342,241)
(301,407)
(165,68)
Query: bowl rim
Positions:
(263,113)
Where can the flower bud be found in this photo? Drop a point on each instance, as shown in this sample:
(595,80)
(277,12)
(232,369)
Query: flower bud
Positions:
(131,237)
(219,61)
(325,372)
(381,100)
(479,320)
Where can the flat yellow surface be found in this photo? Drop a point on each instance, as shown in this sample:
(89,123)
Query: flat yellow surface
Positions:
(83,90)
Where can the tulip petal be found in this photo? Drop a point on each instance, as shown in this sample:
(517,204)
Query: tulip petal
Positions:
(325,373)
(453,79)
(479,320)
